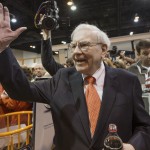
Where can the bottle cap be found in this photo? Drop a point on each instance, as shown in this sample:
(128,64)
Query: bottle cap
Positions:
(112,128)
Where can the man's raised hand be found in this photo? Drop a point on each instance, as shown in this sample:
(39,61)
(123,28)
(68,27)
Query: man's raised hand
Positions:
(6,34)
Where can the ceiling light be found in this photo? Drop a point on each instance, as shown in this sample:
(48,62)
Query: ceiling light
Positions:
(73,7)
(32,46)
(63,42)
(56,53)
(136,19)
(131,33)
(13,18)
(70,2)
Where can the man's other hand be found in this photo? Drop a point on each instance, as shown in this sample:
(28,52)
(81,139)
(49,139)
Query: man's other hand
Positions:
(46,33)
(128,147)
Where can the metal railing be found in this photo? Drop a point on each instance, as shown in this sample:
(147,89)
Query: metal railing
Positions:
(15,135)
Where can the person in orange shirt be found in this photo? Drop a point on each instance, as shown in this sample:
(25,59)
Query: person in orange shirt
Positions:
(10,105)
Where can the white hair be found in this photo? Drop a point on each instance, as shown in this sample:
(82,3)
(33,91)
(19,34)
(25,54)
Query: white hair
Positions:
(34,65)
(102,36)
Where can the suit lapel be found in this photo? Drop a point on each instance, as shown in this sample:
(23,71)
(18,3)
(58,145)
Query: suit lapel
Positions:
(78,92)
(109,94)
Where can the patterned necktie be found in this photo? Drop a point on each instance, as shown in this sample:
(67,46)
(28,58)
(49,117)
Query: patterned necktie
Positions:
(93,103)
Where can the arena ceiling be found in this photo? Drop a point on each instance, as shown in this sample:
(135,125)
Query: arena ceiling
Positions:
(115,17)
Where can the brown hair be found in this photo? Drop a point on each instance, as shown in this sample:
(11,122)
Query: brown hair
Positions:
(142,44)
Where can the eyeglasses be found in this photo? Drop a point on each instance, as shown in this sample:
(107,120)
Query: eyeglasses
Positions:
(83,46)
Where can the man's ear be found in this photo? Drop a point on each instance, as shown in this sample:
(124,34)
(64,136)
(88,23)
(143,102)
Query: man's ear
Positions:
(104,50)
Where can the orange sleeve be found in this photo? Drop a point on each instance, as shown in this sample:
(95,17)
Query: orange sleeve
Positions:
(24,105)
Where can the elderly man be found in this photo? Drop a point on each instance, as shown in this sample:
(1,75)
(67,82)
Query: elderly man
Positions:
(38,71)
(84,99)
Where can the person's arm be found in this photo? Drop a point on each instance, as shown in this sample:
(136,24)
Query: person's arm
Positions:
(128,59)
(48,61)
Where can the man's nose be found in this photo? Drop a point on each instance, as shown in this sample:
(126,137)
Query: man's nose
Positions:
(77,49)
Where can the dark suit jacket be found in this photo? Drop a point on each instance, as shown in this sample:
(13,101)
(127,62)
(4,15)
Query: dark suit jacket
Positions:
(122,104)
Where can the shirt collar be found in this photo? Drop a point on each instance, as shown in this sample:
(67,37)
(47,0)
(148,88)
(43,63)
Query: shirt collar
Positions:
(98,73)
(147,68)
(141,66)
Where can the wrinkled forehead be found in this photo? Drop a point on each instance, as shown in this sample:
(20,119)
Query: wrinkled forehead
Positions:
(85,35)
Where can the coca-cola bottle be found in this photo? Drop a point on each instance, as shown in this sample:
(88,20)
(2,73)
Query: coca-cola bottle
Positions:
(112,140)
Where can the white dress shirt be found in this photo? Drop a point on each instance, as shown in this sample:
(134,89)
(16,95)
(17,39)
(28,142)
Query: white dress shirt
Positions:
(99,75)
